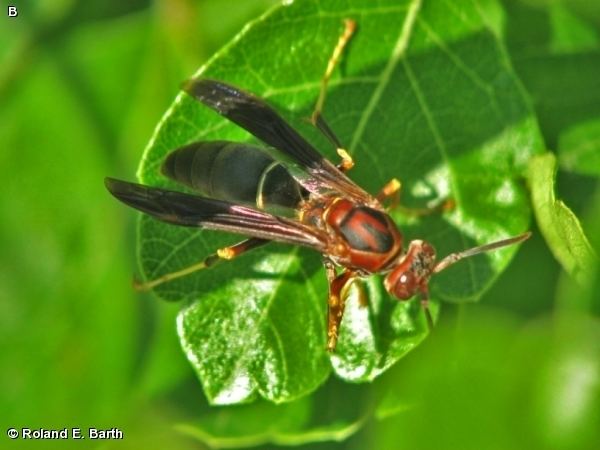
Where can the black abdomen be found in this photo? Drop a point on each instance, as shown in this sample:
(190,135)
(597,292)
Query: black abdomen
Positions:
(236,172)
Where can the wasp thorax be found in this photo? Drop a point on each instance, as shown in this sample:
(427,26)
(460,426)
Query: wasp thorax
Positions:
(412,273)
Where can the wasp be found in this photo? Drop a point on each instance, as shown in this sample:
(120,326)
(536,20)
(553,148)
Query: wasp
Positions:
(306,201)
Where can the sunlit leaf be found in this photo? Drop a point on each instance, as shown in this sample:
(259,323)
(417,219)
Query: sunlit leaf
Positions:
(560,227)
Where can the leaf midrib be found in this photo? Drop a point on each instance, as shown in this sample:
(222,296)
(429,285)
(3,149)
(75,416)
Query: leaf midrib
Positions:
(263,316)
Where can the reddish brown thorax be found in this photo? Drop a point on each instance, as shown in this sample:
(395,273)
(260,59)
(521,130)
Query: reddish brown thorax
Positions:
(372,239)
(411,274)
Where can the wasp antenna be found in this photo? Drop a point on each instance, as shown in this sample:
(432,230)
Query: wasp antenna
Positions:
(454,257)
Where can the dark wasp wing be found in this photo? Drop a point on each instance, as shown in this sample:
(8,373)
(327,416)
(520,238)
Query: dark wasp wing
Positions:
(258,118)
(194,211)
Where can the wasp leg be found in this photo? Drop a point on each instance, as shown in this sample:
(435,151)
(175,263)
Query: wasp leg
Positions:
(316,118)
(336,303)
(331,327)
(392,190)
(347,162)
(425,307)
(225,253)
(349,27)
(363,298)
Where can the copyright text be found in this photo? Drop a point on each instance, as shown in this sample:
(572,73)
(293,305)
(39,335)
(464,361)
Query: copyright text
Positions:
(64,433)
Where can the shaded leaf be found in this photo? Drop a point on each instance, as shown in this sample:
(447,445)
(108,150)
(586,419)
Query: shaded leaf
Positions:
(333,413)
(556,54)
(579,148)
(256,325)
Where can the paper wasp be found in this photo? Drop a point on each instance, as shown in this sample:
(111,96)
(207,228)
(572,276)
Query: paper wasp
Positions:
(309,202)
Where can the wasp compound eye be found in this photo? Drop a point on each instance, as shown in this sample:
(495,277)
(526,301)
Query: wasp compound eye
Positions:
(405,286)
(401,283)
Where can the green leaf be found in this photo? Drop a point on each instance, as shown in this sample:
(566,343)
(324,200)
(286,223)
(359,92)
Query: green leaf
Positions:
(424,93)
(579,148)
(333,413)
(374,338)
(556,54)
(560,227)
(469,385)
(65,304)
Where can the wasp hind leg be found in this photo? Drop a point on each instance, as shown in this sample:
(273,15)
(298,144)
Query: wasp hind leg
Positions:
(225,253)
(317,117)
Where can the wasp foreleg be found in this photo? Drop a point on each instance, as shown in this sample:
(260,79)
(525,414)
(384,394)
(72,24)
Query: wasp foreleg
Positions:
(425,307)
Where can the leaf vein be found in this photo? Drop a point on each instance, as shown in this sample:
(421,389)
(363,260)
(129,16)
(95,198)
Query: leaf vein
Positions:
(175,249)
(397,54)
(471,74)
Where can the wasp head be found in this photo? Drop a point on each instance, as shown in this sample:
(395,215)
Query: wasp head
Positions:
(411,275)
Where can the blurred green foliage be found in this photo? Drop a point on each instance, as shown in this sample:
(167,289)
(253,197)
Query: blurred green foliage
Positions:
(82,86)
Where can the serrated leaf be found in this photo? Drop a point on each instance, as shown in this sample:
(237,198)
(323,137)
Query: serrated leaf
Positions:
(560,227)
(424,93)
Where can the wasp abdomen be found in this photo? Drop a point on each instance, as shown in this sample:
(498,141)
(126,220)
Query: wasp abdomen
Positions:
(234,172)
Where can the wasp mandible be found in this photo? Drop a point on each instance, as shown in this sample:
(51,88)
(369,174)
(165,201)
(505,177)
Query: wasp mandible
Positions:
(247,191)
